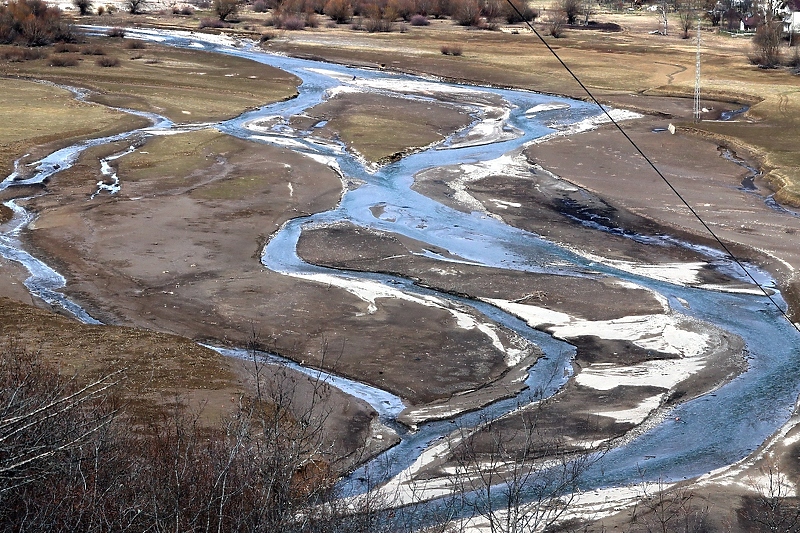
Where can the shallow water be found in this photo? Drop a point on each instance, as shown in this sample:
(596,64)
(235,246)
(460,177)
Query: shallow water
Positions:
(714,430)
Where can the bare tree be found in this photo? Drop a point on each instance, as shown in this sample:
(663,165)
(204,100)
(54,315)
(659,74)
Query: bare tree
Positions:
(467,12)
(516,11)
(687,15)
(339,10)
(664,509)
(587,10)
(516,480)
(767,42)
(571,9)
(84,6)
(663,15)
(68,463)
(225,8)
(43,417)
(556,23)
(772,508)
(135,7)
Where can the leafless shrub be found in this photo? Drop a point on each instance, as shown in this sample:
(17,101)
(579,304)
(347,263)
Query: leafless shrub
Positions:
(33,23)
(555,26)
(267,36)
(43,417)
(63,61)
(116,32)
(67,464)
(107,62)
(571,9)
(668,510)
(93,51)
(18,55)
(379,19)
(62,48)
(766,43)
(451,50)
(419,20)
(467,12)
(260,6)
(524,9)
(291,22)
(212,23)
(687,14)
(101,10)
(794,61)
(135,7)
(491,11)
(135,45)
(340,11)
(225,8)
(516,478)
(402,9)
(84,6)
(773,507)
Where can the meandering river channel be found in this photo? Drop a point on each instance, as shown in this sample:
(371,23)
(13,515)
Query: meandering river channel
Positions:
(716,429)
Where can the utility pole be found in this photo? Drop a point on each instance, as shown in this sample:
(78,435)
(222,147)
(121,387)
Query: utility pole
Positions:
(697,76)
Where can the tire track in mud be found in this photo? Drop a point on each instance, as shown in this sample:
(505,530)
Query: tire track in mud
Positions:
(671,75)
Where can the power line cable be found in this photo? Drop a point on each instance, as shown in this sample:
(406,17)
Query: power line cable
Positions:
(652,165)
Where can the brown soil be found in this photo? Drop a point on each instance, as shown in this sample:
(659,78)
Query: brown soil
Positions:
(178,251)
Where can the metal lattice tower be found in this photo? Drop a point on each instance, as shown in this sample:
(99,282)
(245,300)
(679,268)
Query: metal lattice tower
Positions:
(697,77)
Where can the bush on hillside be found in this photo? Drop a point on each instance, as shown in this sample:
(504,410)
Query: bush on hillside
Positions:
(419,20)
(107,62)
(225,8)
(340,11)
(33,23)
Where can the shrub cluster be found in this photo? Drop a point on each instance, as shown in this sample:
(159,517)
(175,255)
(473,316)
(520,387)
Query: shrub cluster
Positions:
(93,51)
(419,20)
(116,32)
(451,50)
(213,23)
(380,15)
(34,23)
(18,55)
(182,10)
(71,461)
(84,6)
(135,45)
(61,48)
(64,61)
(225,9)
(107,61)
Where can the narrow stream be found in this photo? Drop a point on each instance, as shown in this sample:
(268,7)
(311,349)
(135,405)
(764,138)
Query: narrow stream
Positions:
(715,430)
